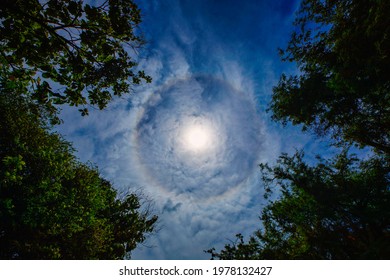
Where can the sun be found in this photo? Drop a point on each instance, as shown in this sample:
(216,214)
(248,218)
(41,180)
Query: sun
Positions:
(197,137)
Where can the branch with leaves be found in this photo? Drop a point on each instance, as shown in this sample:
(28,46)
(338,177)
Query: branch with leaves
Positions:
(70,52)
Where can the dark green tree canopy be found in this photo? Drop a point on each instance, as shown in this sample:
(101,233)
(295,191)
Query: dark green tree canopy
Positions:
(51,205)
(342,49)
(66,51)
(337,209)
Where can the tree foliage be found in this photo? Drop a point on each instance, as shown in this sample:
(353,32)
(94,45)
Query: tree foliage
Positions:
(342,49)
(51,205)
(63,52)
(338,209)
(67,51)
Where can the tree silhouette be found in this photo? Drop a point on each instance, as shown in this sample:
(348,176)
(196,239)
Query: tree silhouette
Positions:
(339,208)
(51,205)
(66,51)
(342,49)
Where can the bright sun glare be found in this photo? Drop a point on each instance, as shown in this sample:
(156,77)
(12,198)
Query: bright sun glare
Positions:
(197,137)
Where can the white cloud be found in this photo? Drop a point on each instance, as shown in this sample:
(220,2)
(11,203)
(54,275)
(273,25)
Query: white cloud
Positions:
(202,198)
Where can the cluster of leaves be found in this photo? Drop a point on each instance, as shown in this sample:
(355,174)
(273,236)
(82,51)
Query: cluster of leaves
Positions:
(51,205)
(339,208)
(342,49)
(63,52)
(66,51)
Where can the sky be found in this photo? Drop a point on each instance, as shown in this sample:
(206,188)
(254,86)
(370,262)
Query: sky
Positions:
(191,141)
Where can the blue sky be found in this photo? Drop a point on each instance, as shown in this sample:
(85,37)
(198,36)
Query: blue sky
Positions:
(213,65)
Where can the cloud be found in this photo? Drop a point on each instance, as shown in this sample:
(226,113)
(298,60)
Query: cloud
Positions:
(234,150)
(203,198)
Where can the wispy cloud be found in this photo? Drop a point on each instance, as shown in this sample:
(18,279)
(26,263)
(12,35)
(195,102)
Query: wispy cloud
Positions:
(204,75)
